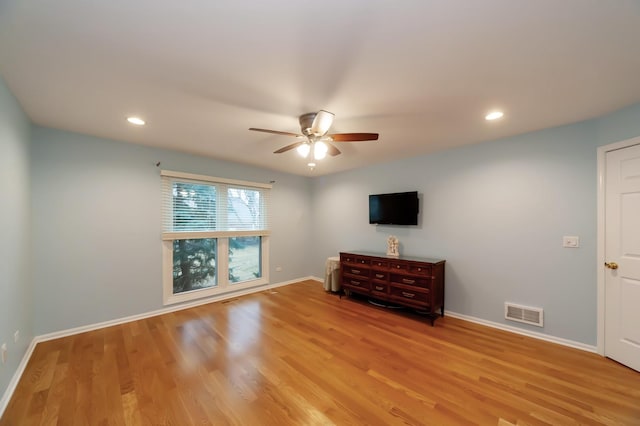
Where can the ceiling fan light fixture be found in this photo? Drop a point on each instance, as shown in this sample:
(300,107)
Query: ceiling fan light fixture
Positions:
(320,150)
(322,122)
(303,150)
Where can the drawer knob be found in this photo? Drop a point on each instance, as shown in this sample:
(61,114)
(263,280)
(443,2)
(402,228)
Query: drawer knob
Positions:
(379,276)
(379,288)
(355,271)
(409,295)
(355,282)
(407,281)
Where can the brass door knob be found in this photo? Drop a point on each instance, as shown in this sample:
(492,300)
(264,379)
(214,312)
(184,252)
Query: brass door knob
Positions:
(611,265)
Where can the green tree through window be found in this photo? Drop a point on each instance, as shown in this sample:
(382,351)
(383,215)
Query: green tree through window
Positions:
(194,264)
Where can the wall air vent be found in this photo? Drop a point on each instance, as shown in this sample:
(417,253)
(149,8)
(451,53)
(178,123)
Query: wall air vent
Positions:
(525,314)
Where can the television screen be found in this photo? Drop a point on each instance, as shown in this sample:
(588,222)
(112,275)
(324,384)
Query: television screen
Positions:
(399,208)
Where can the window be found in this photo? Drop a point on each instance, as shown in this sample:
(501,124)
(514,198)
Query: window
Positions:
(215,235)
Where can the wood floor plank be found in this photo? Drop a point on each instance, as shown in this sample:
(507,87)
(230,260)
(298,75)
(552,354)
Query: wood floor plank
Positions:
(298,355)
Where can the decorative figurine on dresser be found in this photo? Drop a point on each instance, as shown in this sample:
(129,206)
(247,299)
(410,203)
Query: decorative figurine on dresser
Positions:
(408,281)
(393,246)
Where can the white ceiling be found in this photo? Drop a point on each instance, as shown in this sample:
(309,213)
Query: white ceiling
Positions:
(421,73)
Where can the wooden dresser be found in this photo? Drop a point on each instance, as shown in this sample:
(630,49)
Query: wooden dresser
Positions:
(408,281)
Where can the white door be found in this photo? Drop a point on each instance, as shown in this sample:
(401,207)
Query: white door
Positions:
(622,256)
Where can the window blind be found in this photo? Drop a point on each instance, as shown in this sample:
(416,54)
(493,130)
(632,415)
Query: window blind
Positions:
(213,206)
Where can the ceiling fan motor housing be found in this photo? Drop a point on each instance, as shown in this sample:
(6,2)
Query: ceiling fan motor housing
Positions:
(306,122)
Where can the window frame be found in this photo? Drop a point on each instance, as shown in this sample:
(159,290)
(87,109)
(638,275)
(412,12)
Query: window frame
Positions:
(223,284)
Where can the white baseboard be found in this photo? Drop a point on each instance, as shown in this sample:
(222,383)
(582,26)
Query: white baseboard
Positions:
(533,334)
(8,393)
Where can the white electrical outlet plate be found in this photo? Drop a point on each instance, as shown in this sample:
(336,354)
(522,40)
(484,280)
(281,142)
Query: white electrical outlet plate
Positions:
(16,336)
(570,241)
(3,350)
(278,268)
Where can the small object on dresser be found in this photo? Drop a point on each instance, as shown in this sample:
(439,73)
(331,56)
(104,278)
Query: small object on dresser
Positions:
(392,246)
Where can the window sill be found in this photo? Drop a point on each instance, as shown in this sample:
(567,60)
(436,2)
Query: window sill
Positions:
(204,293)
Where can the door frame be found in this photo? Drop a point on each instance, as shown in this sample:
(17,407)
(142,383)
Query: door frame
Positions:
(600,258)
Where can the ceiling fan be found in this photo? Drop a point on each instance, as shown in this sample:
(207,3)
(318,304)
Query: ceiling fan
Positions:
(314,127)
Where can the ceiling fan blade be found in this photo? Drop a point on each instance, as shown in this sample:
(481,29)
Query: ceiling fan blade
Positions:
(289,147)
(322,123)
(275,132)
(353,137)
(332,150)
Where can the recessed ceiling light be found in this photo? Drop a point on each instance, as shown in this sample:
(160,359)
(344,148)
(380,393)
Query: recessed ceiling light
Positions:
(494,115)
(311,164)
(136,120)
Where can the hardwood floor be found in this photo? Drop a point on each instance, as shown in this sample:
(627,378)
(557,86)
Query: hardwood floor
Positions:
(300,356)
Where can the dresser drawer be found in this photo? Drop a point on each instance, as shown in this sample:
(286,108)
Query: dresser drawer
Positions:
(411,281)
(420,270)
(378,288)
(379,275)
(399,266)
(415,296)
(356,270)
(347,258)
(410,268)
(355,259)
(356,282)
(380,264)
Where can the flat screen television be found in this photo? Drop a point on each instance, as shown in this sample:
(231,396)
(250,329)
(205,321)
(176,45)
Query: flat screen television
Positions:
(400,208)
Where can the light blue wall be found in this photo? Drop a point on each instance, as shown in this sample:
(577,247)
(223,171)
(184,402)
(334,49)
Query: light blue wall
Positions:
(15,256)
(96,225)
(496,212)
(619,126)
